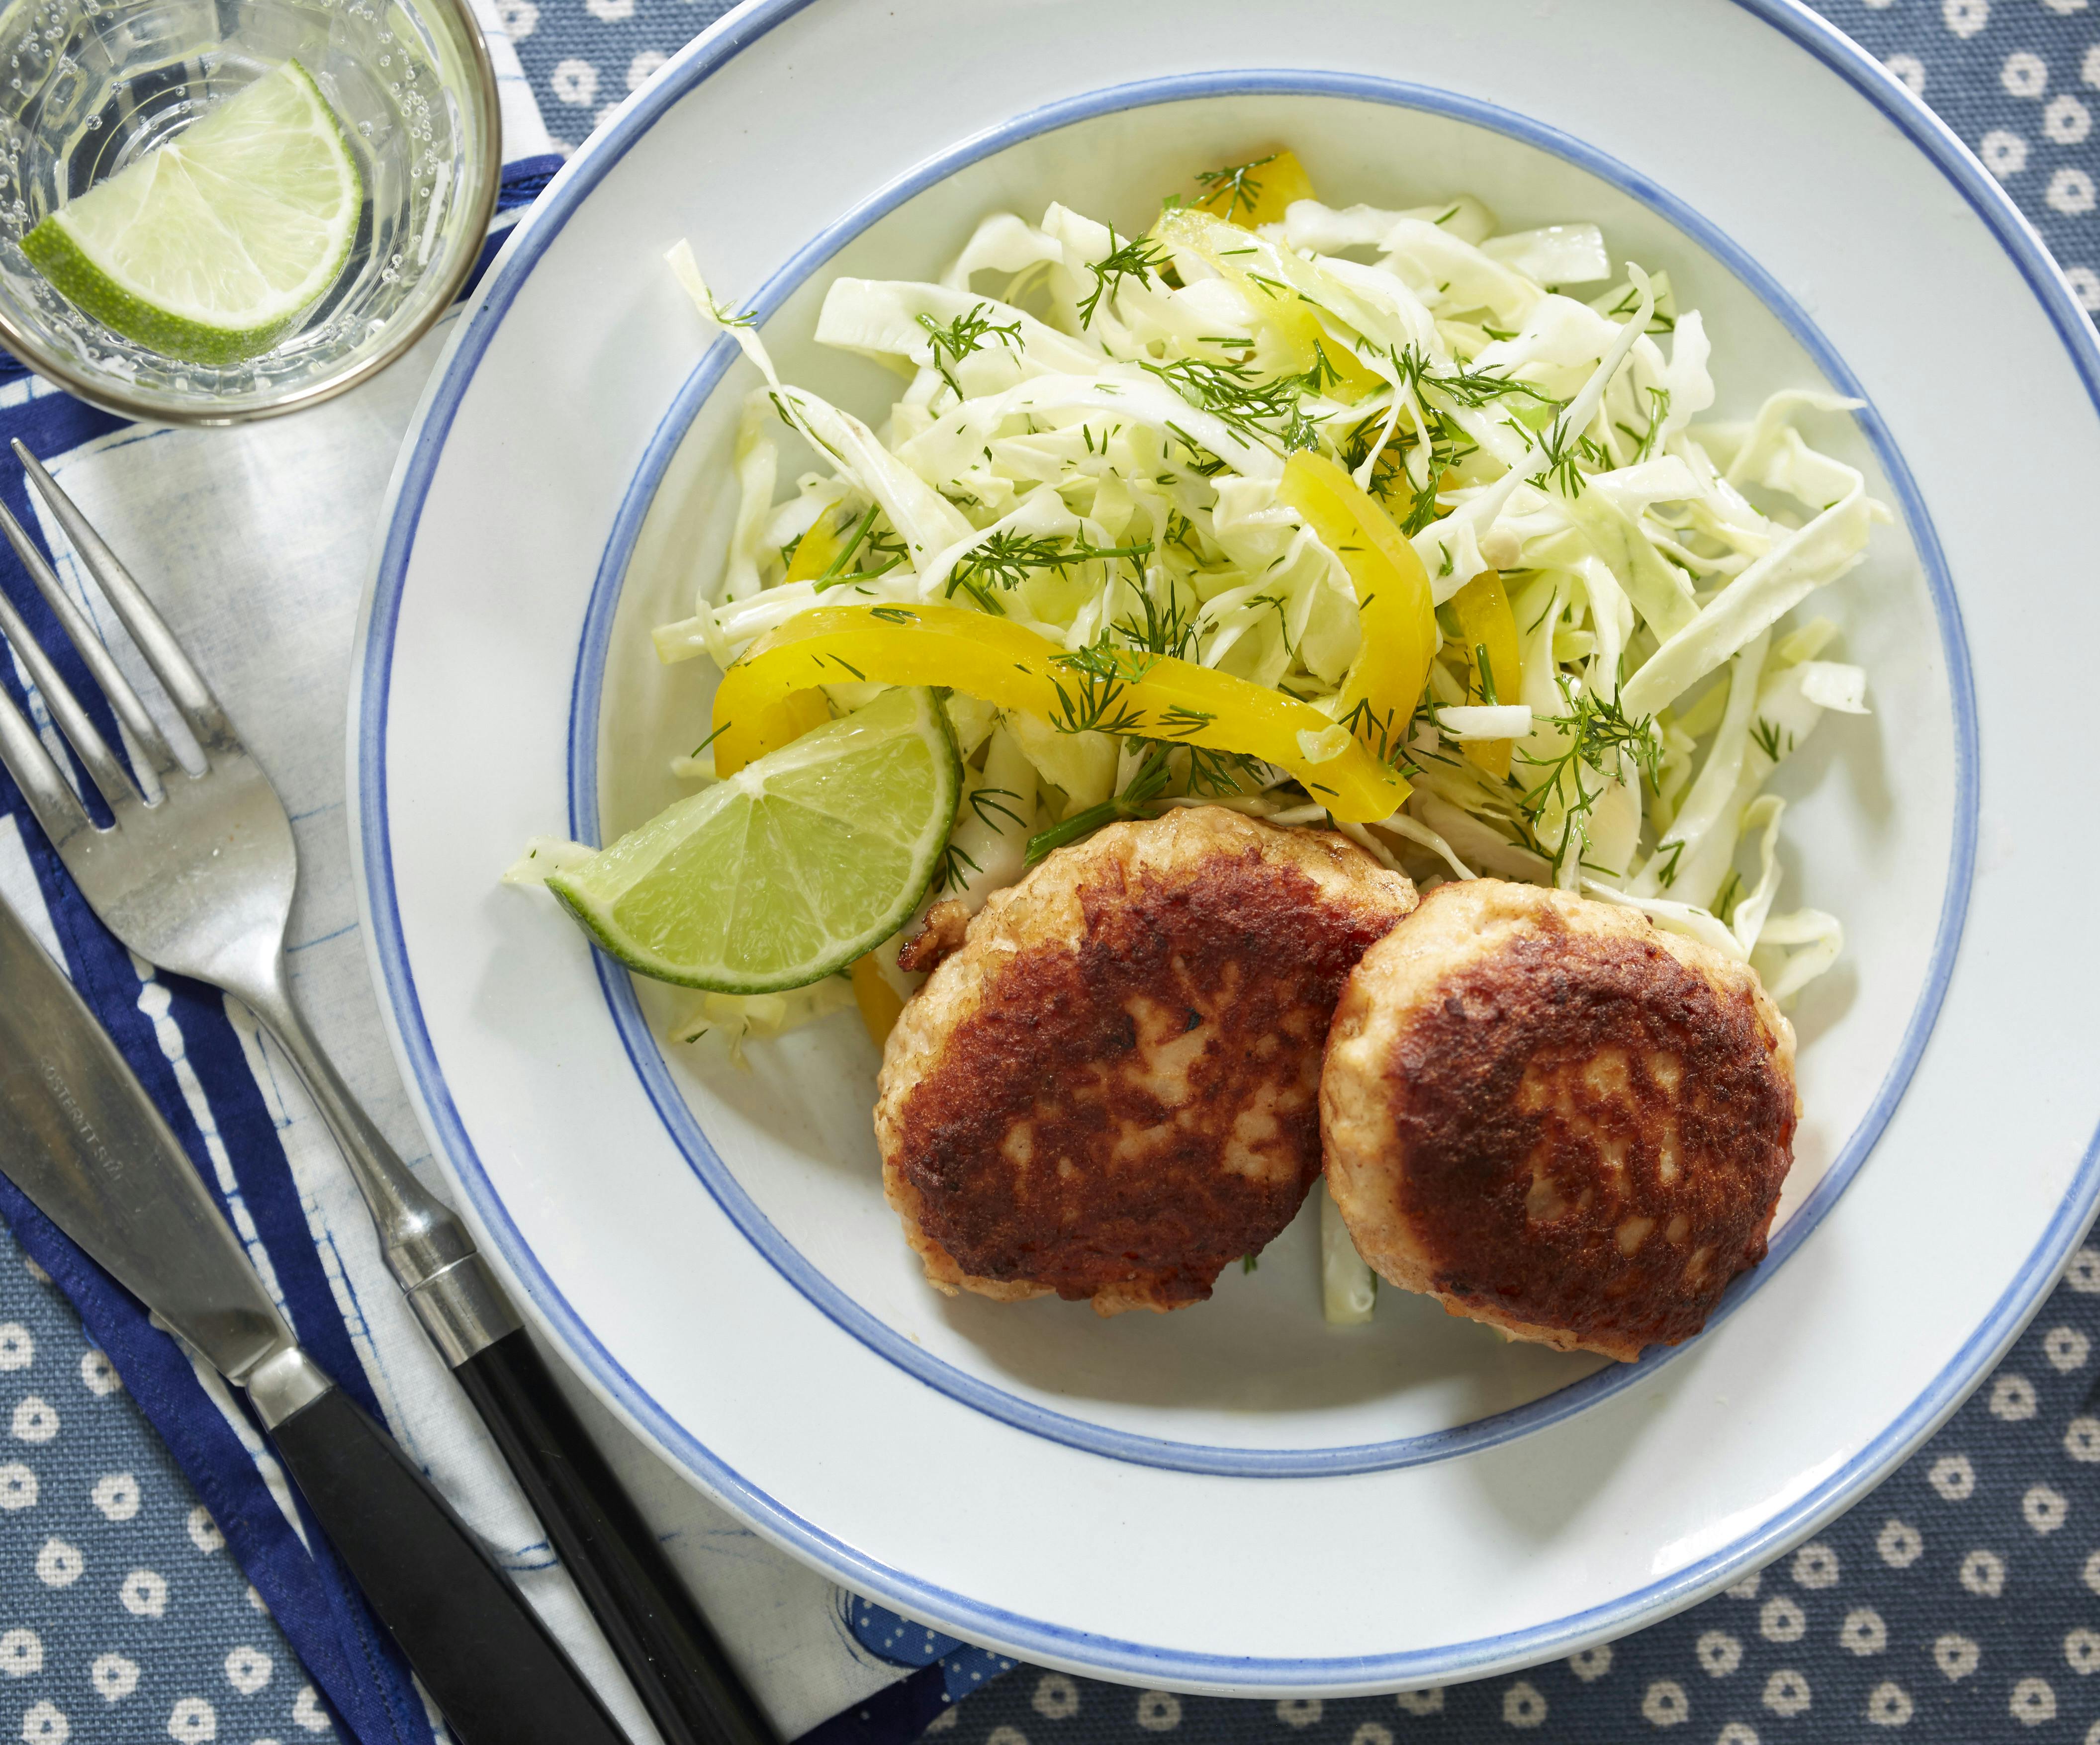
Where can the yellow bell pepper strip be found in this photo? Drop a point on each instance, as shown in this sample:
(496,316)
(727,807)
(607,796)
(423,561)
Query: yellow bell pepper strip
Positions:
(1495,658)
(880,1005)
(1393,604)
(824,552)
(1103,689)
(1256,193)
(1276,306)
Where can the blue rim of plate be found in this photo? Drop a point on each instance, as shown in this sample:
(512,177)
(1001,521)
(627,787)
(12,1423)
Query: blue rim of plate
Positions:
(414,475)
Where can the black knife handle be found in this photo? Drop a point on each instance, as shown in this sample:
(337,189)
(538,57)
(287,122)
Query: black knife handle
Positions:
(686,1680)
(473,1638)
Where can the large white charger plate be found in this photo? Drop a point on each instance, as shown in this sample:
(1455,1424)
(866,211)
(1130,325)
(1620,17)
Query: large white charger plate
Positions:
(1235,1498)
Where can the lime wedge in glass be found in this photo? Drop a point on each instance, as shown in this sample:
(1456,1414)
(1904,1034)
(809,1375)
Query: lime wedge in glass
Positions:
(791,868)
(210,246)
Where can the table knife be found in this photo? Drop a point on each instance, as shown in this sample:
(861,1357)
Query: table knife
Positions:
(80,1138)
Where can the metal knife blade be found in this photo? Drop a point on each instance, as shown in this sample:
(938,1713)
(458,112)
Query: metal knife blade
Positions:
(79,1136)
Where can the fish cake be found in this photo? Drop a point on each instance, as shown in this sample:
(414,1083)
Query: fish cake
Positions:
(1556,1118)
(1110,1090)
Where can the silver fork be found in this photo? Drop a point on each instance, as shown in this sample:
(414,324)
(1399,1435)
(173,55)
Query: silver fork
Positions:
(199,881)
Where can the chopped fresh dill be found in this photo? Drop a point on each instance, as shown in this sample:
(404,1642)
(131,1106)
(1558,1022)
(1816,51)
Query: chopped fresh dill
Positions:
(1007,559)
(709,740)
(989,803)
(1596,732)
(951,876)
(1139,258)
(963,335)
(1146,785)
(1235,183)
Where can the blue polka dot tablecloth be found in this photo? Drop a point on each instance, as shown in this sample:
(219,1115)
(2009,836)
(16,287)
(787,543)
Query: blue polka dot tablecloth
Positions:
(1958,1604)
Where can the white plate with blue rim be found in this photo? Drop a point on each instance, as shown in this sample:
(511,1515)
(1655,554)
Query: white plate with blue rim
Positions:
(1236,1498)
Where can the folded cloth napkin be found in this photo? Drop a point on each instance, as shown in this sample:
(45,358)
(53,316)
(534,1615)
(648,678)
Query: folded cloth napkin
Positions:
(256,543)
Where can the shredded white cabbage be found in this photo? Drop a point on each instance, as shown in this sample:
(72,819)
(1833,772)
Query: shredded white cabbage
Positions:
(1089,441)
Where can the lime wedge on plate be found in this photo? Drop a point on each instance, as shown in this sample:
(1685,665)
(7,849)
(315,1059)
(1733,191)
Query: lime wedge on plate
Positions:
(791,868)
(210,246)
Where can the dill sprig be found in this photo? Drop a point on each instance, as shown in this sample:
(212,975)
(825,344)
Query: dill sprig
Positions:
(951,875)
(1146,784)
(1007,559)
(961,337)
(1239,398)
(1235,183)
(1140,258)
(1595,731)
(1098,699)
(989,803)
(1644,441)
(1564,449)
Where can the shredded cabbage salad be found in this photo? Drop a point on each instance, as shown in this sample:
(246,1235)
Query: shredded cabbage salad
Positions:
(1120,444)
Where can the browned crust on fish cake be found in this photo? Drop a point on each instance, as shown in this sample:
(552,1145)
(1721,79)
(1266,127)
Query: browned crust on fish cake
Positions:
(1587,1124)
(1111,1091)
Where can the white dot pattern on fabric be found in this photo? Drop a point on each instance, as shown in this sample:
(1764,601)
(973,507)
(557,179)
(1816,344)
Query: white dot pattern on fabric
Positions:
(1787,1693)
(1953,1477)
(192,1721)
(144,1593)
(2012,1399)
(307,1712)
(117,1495)
(1524,1705)
(203,1531)
(1158,1710)
(45,1724)
(2033,1702)
(2045,1510)
(18,1350)
(98,1376)
(2081,1440)
(1782,1619)
(1901,1545)
(34,1422)
(21,1653)
(1421,1703)
(2081,1651)
(2024,74)
(1590,1664)
(2067,121)
(1057,1697)
(1910,69)
(2004,152)
(2066,1348)
(1955,1656)
(1666,1704)
(1964,17)
(115,1677)
(1863,1632)
(1889,1705)
(1370,1732)
(248,1670)
(1815,1567)
(1984,1574)
(18,1488)
(1719,1653)
(59,1563)
(1300,1712)
(1736,1733)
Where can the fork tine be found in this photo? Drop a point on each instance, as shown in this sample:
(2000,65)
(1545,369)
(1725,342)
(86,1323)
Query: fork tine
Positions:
(38,778)
(109,775)
(115,686)
(185,684)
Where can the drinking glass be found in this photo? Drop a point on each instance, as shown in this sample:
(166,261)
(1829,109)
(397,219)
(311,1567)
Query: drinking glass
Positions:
(89,86)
